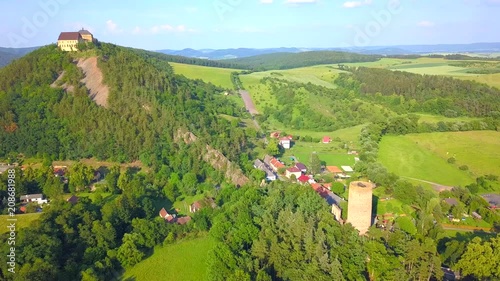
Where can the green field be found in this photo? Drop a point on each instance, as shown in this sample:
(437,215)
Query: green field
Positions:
(479,150)
(218,76)
(23,220)
(184,261)
(408,158)
(330,153)
(322,75)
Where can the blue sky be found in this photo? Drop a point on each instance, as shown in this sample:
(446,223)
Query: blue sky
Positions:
(199,24)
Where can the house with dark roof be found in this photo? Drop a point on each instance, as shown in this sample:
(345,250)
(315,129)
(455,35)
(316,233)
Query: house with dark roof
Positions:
(73,199)
(301,167)
(451,201)
(68,41)
(183,220)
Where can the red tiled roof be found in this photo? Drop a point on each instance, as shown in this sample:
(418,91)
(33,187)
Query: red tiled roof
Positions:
(69,36)
(328,185)
(293,170)
(277,164)
(183,220)
(303,178)
(334,169)
(326,139)
(163,213)
(316,186)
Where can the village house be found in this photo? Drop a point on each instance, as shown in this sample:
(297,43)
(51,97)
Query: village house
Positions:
(270,175)
(73,200)
(337,212)
(286,142)
(301,167)
(274,163)
(303,179)
(293,171)
(172,218)
(198,205)
(274,135)
(326,140)
(38,198)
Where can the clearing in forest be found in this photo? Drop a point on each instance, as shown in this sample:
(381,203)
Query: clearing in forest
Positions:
(94,80)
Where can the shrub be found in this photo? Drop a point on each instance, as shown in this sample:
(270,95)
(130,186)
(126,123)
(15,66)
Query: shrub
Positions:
(452,160)
(464,167)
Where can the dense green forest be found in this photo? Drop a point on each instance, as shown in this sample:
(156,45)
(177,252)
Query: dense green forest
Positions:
(147,104)
(408,92)
(294,60)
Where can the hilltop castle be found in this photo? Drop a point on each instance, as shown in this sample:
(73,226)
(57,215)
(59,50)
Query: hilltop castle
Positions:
(68,41)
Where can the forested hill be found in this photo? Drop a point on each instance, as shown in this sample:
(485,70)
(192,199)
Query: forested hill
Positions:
(147,104)
(190,60)
(294,60)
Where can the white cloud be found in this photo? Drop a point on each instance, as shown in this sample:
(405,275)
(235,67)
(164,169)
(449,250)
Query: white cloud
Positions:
(425,23)
(112,26)
(266,1)
(354,4)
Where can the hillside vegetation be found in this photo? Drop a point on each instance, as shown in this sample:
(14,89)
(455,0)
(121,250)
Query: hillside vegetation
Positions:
(294,60)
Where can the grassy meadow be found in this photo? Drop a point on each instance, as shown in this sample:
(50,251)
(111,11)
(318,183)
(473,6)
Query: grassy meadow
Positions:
(409,158)
(479,150)
(218,76)
(23,220)
(429,118)
(183,261)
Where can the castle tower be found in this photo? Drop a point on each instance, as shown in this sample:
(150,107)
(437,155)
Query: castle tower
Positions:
(359,212)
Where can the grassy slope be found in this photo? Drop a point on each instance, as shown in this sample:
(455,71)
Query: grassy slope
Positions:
(184,261)
(23,220)
(480,150)
(217,76)
(405,157)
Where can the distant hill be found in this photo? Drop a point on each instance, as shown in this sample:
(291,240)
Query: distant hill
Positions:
(219,54)
(294,60)
(9,54)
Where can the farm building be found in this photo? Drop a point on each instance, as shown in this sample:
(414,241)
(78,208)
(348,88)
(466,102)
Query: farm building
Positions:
(326,140)
(334,170)
(347,169)
(476,216)
(38,198)
(360,206)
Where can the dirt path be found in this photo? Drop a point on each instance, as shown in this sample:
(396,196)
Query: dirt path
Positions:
(93,81)
(247,99)
(437,187)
